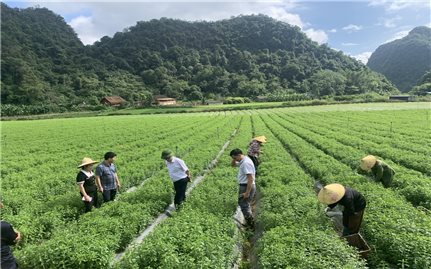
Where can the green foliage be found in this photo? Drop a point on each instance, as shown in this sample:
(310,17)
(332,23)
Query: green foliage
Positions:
(404,61)
(247,56)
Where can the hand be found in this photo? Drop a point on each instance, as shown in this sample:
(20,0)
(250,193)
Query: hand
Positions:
(190,179)
(245,195)
(233,162)
(118,185)
(18,237)
(101,189)
(87,198)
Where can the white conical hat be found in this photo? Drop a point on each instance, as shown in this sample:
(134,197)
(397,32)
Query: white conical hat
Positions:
(331,193)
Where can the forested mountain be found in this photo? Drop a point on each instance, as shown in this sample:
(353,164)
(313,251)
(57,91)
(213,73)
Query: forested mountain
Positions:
(404,61)
(44,61)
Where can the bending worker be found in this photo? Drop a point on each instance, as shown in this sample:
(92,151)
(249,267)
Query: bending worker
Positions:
(354,205)
(180,175)
(379,169)
(254,150)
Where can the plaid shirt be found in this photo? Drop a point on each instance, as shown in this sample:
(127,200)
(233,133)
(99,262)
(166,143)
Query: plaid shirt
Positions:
(107,176)
(254,148)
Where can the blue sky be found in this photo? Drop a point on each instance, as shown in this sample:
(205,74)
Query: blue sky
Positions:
(355,27)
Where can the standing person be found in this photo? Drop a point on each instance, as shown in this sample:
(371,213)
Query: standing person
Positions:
(107,177)
(87,185)
(246,181)
(9,236)
(254,150)
(379,169)
(353,201)
(180,175)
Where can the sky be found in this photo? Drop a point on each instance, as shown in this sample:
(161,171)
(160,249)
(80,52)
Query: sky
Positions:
(355,27)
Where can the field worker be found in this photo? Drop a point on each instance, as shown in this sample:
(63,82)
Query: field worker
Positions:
(246,181)
(379,169)
(87,183)
(180,175)
(254,150)
(354,205)
(107,177)
(9,236)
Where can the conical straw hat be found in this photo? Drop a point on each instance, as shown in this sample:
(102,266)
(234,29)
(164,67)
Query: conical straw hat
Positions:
(368,162)
(261,139)
(331,193)
(86,161)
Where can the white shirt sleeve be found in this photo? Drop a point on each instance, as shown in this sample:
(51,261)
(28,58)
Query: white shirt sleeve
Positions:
(183,165)
(248,169)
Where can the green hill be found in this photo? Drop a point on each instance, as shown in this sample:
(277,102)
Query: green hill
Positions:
(404,61)
(43,62)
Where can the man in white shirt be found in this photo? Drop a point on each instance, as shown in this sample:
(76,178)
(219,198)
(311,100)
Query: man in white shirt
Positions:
(246,181)
(180,175)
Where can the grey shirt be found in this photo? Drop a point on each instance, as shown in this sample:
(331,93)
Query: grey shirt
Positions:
(246,167)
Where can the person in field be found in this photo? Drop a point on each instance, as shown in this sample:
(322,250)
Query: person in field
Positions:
(107,178)
(254,150)
(353,201)
(246,181)
(86,181)
(180,175)
(9,237)
(381,171)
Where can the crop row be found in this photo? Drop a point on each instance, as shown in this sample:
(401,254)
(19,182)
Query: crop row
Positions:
(399,234)
(202,234)
(412,185)
(38,219)
(296,233)
(110,228)
(410,159)
(357,128)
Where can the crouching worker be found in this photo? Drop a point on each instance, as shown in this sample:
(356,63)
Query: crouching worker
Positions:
(180,175)
(354,205)
(379,169)
(87,184)
(9,237)
(246,181)
(254,150)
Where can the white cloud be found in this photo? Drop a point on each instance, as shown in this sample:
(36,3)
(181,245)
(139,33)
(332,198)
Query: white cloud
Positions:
(86,27)
(390,23)
(317,35)
(352,28)
(398,35)
(349,44)
(333,30)
(106,18)
(395,5)
(363,57)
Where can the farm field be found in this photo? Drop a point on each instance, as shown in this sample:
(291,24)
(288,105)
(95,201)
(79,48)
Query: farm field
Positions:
(306,145)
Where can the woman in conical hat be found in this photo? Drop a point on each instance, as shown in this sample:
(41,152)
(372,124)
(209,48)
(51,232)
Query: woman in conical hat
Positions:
(353,201)
(381,171)
(254,149)
(87,184)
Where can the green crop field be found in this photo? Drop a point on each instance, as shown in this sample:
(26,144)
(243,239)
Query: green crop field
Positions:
(306,144)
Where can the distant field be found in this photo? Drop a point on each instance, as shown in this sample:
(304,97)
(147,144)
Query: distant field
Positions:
(306,144)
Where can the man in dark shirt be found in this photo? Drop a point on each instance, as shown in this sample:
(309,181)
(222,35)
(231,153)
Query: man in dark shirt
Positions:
(9,237)
(354,205)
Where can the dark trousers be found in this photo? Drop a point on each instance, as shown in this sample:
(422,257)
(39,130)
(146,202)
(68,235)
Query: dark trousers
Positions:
(255,161)
(109,195)
(94,200)
(180,187)
(244,204)
(353,223)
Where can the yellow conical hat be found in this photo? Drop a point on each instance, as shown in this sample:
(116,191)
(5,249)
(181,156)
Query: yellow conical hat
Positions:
(331,193)
(261,139)
(368,162)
